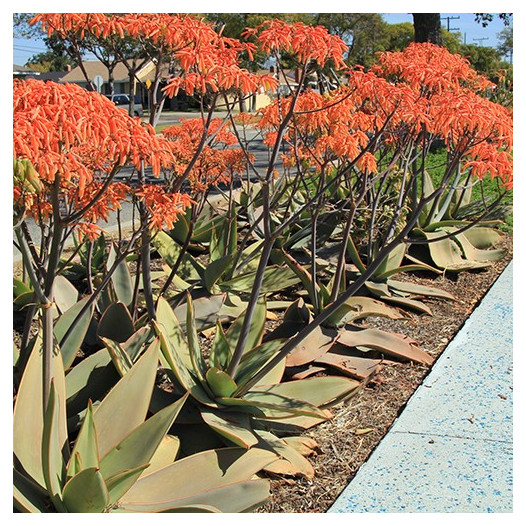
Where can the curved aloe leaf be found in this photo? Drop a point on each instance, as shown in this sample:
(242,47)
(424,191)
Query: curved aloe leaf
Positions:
(70,345)
(354,255)
(196,359)
(177,353)
(256,329)
(235,427)
(300,271)
(220,352)
(134,345)
(193,509)
(28,418)
(420,290)
(321,391)
(64,293)
(392,261)
(121,360)
(446,254)
(274,279)
(357,367)
(237,497)
(189,269)
(206,311)
(90,379)
(220,382)
(223,239)
(52,445)
(86,492)
(477,254)
(181,226)
(116,323)
(290,461)
(138,447)
(265,404)
(317,343)
(403,268)
(388,343)
(407,302)
(483,237)
(215,270)
(220,478)
(253,360)
(359,307)
(125,406)
(164,455)
(28,497)
(85,451)
(121,279)
(121,482)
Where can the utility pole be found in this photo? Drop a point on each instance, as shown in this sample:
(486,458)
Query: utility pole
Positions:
(448,18)
(481,39)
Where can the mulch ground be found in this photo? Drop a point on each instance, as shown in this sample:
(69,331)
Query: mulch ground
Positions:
(348,439)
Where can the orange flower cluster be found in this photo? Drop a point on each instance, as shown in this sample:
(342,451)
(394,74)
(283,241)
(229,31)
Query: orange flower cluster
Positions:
(305,42)
(207,60)
(164,208)
(218,161)
(78,139)
(430,68)
(423,89)
(246,119)
(338,127)
(455,108)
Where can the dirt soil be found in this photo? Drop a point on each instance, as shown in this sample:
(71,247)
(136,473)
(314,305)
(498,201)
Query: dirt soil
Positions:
(347,440)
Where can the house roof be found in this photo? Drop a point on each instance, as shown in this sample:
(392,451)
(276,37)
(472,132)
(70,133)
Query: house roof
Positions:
(94,68)
(120,73)
(55,76)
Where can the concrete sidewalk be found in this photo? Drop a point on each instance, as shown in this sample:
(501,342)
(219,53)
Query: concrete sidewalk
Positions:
(451,449)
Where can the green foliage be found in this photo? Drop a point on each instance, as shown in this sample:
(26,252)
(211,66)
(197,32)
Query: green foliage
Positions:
(240,419)
(121,461)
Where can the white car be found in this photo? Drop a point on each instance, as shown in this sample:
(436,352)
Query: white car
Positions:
(122,100)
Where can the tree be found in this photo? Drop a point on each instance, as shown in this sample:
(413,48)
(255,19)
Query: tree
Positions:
(505,47)
(427,28)
(399,35)
(50,61)
(364,33)
(486,18)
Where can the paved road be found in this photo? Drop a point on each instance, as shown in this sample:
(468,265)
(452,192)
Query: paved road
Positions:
(256,147)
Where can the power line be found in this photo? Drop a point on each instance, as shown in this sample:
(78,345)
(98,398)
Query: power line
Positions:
(481,39)
(448,18)
(27,48)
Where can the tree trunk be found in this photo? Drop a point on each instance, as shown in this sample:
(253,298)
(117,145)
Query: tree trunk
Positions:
(427,28)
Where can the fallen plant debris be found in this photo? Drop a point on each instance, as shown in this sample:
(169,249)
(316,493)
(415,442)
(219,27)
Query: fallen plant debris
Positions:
(377,405)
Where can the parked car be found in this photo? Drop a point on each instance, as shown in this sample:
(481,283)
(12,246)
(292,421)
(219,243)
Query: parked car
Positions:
(122,100)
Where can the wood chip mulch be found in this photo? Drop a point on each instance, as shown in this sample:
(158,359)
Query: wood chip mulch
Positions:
(348,439)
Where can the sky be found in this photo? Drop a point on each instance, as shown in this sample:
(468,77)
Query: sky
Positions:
(23,49)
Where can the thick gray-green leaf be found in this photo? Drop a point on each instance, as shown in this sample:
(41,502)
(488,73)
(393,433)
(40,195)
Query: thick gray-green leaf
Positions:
(121,278)
(138,447)
(126,405)
(189,269)
(235,427)
(70,346)
(116,323)
(219,477)
(28,418)
(86,492)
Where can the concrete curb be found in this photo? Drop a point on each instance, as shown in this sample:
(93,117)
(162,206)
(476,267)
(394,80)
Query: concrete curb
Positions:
(451,449)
